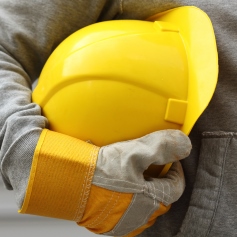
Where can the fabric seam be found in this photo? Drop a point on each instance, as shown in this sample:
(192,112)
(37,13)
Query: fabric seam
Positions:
(121,6)
(220,187)
(132,189)
(118,197)
(86,186)
(116,227)
(96,222)
(146,219)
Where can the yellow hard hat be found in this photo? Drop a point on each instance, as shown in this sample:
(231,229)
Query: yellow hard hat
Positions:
(122,79)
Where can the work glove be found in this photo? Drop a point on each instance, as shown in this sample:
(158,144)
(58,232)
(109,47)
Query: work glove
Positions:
(104,189)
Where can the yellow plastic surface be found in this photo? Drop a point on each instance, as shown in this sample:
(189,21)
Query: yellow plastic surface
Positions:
(115,88)
(196,30)
(120,80)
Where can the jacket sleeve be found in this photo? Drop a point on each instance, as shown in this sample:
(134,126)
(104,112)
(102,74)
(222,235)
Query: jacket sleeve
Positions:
(30,30)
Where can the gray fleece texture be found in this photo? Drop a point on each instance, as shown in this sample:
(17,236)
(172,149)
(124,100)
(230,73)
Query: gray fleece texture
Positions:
(30,30)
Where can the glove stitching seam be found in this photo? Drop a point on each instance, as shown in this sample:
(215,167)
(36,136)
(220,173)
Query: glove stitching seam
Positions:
(154,195)
(147,217)
(169,197)
(140,191)
(116,227)
(148,192)
(118,196)
(105,185)
(86,186)
(163,191)
(90,225)
(119,180)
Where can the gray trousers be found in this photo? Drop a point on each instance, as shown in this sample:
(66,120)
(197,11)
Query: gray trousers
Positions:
(212,208)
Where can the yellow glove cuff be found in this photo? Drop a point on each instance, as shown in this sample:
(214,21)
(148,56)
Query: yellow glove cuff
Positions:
(60,177)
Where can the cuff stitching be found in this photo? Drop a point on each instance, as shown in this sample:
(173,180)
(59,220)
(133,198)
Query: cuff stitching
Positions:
(86,186)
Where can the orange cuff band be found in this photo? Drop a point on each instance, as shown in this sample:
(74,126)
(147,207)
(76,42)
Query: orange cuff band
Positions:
(104,209)
(60,178)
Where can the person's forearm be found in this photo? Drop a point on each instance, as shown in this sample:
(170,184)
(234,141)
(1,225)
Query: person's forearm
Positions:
(30,31)
(20,122)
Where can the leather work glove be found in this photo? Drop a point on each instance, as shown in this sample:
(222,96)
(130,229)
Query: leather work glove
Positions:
(104,189)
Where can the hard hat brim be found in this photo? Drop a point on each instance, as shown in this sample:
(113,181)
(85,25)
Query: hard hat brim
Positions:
(199,39)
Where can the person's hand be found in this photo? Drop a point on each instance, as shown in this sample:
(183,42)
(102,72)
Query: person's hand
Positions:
(121,201)
(104,189)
